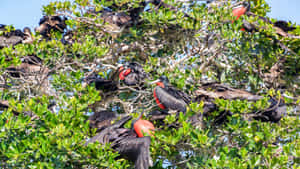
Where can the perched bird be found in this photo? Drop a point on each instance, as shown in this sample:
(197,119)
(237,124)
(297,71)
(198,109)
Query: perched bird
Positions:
(281,27)
(284,26)
(126,142)
(273,113)
(215,90)
(132,74)
(30,66)
(14,37)
(51,23)
(102,84)
(115,22)
(168,97)
(101,119)
(240,10)
(32,72)
(211,91)
(27,35)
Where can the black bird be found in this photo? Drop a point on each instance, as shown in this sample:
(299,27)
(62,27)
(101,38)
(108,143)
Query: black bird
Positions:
(281,27)
(284,26)
(27,38)
(273,113)
(114,22)
(126,142)
(117,21)
(51,23)
(14,37)
(132,74)
(101,119)
(30,66)
(211,91)
(168,97)
(102,84)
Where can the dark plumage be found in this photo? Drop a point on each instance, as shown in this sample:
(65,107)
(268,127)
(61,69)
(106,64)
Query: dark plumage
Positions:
(4,104)
(102,84)
(157,115)
(284,26)
(273,113)
(132,74)
(14,37)
(116,21)
(68,38)
(31,59)
(211,91)
(51,23)
(125,141)
(281,27)
(169,97)
(30,66)
(101,119)
(216,90)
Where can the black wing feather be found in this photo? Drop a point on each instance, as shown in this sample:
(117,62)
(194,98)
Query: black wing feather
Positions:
(105,135)
(170,101)
(178,94)
(136,150)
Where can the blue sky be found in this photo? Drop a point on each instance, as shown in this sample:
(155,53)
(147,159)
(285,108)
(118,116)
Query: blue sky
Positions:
(21,13)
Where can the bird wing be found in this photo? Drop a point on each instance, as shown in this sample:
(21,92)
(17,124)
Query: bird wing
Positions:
(12,40)
(170,101)
(178,94)
(136,150)
(101,119)
(132,79)
(106,134)
(31,59)
(139,70)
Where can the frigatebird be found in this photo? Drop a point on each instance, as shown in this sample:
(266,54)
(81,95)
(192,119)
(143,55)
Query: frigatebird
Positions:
(132,74)
(101,83)
(30,66)
(126,142)
(274,112)
(114,21)
(211,91)
(51,23)
(240,10)
(281,27)
(14,37)
(168,97)
(101,119)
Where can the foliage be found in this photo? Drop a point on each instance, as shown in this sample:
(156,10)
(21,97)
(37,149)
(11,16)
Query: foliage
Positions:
(193,44)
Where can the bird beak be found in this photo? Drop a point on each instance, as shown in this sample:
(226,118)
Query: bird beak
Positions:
(155,81)
(141,115)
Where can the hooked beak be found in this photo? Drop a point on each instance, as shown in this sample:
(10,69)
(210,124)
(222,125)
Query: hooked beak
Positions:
(244,4)
(154,82)
(133,121)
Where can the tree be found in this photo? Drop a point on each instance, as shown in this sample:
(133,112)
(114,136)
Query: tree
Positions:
(71,70)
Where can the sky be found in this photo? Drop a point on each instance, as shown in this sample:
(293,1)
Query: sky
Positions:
(22,13)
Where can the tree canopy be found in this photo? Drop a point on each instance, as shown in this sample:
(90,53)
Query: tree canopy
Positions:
(228,96)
